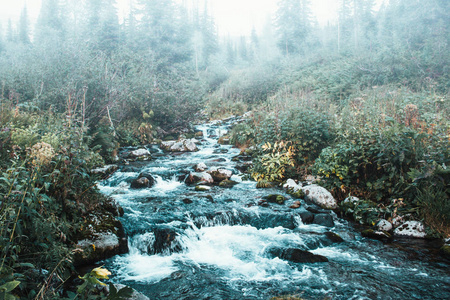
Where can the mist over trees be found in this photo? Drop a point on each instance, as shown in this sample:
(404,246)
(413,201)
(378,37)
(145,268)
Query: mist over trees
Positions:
(361,102)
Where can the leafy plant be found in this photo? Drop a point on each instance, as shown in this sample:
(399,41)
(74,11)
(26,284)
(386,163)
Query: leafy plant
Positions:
(273,164)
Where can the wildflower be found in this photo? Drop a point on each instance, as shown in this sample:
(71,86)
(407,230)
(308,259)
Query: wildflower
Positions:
(100,273)
(42,154)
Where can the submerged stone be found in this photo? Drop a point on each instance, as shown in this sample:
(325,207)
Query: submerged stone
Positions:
(275,198)
(323,220)
(227,183)
(144,180)
(297,255)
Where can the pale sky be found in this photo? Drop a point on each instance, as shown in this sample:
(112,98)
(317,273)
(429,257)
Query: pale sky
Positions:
(234,17)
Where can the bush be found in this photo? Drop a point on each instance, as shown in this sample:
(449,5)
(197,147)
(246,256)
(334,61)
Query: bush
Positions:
(308,131)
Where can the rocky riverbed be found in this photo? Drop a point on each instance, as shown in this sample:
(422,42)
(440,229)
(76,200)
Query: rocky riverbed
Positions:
(197,230)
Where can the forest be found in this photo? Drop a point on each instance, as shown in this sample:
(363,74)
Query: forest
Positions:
(361,105)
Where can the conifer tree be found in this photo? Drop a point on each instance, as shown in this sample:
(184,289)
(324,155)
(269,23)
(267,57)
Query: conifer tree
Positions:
(24,30)
(293,24)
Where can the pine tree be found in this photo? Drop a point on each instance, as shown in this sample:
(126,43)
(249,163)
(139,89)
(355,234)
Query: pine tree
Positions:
(345,25)
(230,51)
(109,27)
(10,34)
(50,24)
(24,30)
(243,53)
(293,24)
(164,31)
(209,36)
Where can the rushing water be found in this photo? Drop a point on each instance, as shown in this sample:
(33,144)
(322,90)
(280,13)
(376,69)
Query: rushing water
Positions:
(186,244)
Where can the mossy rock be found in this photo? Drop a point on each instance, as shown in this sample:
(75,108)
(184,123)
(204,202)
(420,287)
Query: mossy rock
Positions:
(227,183)
(376,235)
(299,194)
(445,251)
(202,188)
(334,237)
(275,198)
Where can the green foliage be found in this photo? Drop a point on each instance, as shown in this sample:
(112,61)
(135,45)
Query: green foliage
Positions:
(274,163)
(243,134)
(47,196)
(308,131)
(362,211)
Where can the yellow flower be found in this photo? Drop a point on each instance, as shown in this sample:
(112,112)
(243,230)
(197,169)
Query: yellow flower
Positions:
(100,273)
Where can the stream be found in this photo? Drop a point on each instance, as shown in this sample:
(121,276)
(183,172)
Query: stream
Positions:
(218,244)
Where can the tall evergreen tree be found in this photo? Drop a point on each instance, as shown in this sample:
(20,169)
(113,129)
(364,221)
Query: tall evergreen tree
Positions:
(243,53)
(109,27)
(162,30)
(24,29)
(345,25)
(293,24)
(50,24)
(209,36)
(10,34)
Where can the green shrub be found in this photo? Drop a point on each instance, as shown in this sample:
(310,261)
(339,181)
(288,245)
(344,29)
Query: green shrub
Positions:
(307,130)
(273,165)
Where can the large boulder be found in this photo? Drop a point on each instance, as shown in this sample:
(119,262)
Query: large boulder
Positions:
(196,177)
(323,220)
(384,225)
(182,145)
(102,237)
(220,174)
(165,241)
(297,255)
(292,186)
(200,167)
(140,154)
(413,229)
(320,196)
(144,180)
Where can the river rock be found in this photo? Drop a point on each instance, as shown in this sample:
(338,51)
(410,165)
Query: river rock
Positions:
(135,295)
(384,225)
(334,237)
(182,145)
(307,217)
(165,241)
(295,205)
(320,196)
(145,180)
(105,170)
(227,183)
(292,186)
(220,174)
(414,229)
(140,154)
(297,255)
(196,177)
(201,167)
(377,235)
(323,220)
(270,220)
(103,237)
(275,198)
(202,188)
